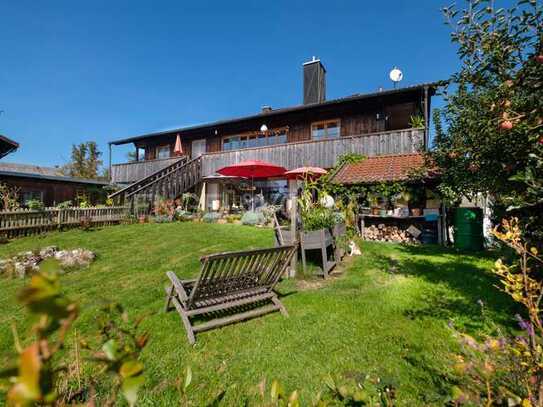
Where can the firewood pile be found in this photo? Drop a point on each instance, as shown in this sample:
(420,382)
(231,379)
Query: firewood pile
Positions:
(390,233)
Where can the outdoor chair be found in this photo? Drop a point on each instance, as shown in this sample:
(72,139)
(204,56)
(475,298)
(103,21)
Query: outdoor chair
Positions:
(239,284)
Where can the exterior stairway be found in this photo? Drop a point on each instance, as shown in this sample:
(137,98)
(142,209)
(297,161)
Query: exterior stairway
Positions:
(169,182)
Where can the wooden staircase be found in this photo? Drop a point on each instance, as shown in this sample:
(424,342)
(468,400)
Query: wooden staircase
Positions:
(169,182)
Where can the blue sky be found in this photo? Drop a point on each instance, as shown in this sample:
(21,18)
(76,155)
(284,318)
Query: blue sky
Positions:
(74,71)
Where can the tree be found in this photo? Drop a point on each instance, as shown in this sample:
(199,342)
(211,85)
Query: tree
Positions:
(489,135)
(85,161)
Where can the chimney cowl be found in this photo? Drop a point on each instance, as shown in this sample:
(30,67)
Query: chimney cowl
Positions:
(314,76)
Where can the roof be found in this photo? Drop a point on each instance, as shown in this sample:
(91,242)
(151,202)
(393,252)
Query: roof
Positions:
(7,146)
(277,112)
(379,169)
(43,173)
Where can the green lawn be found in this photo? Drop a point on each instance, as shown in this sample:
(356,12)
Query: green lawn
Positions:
(368,320)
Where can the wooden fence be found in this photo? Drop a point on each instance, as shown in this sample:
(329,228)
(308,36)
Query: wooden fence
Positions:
(24,222)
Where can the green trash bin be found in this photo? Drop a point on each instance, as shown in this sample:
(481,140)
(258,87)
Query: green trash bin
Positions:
(468,229)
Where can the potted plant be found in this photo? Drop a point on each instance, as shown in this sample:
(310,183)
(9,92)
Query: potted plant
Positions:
(416,202)
(373,202)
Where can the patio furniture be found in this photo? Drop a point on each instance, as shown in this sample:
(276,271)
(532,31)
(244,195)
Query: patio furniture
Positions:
(318,240)
(232,282)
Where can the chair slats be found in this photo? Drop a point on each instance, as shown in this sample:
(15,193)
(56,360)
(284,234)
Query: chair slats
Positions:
(229,280)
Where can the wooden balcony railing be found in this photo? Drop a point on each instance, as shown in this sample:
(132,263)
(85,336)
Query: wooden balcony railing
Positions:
(323,153)
(128,173)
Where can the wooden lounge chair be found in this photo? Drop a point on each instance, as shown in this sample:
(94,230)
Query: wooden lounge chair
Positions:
(230,282)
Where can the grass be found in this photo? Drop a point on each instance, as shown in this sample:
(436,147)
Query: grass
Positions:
(393,325)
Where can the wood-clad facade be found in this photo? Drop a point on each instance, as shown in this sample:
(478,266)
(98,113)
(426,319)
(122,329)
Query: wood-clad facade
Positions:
(350,118)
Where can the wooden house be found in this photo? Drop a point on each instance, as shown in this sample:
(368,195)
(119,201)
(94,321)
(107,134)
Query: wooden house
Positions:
(48,185)
(314,133)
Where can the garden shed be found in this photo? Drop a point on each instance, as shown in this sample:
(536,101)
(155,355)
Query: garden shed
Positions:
(397,198)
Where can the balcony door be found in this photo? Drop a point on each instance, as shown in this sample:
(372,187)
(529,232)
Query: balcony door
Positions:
(198,148)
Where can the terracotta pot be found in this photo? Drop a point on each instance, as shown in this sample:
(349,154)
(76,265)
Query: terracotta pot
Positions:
(416,212)
(375,211)
(142,219)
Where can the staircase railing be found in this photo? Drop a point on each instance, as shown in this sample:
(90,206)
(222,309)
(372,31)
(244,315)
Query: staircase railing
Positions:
(172,183)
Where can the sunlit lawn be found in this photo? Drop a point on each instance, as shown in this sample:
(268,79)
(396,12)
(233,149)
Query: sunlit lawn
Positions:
(368,320)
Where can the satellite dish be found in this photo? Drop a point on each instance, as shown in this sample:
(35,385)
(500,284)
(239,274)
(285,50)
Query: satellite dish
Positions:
(395,75)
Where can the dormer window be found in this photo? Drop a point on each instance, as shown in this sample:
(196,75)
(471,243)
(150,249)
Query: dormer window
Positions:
(325,130)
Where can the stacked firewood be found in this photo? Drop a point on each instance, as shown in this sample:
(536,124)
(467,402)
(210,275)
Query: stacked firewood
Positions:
(388,233)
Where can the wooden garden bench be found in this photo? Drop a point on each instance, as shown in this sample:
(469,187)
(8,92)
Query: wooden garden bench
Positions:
(232,282)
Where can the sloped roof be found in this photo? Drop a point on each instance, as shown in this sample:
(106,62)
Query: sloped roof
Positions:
(276,112)
(7,146)
(45,173)
(379,169)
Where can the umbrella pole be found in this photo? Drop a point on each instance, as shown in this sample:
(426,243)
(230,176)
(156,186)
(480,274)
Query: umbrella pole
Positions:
(252,195)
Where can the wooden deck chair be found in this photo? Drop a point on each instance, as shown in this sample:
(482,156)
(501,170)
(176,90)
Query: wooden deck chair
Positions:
(230,282)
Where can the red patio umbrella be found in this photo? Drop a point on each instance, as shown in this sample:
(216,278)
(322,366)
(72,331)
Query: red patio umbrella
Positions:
(178,149)
(253,169)
(302,172)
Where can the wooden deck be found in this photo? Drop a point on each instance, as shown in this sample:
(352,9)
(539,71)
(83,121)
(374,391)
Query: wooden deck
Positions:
(323,153)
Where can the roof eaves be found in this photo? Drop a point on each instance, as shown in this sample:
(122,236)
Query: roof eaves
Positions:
(53,178)
(346,99)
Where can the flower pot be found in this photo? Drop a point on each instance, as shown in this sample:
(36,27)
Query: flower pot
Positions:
(142,219)
(416,212)
(375,211)
(382,212)
(316,238)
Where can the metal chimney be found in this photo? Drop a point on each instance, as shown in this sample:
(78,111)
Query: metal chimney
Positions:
(314,82)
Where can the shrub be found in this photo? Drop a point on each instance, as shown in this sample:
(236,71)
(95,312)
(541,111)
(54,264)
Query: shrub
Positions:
(85,223)
(35,205)
(232,218)
(268,211)
(211,217)
(182,215)
(39,374)
(503,369)
(253,218)
(9,197)
(161,219)
(64,205)
(166,207)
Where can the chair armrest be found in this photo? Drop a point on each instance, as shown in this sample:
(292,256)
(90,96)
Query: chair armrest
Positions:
(178,286)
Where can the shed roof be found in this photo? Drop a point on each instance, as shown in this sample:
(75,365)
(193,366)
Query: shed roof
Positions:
(276,112)
(44,173)
(379,169)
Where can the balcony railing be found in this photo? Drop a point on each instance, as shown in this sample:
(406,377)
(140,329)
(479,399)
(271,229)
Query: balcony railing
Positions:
(128,173)
(322,153)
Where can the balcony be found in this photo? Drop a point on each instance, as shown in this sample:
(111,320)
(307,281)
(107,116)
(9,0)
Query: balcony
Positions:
(322,153)
(128,173)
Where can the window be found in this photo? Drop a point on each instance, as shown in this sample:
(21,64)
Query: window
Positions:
(252,140)
(325,130)
(32,196)
(163,152)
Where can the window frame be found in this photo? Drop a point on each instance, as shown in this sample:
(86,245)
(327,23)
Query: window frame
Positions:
(325,123)
(162,147)
(256,136)
(33,195)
